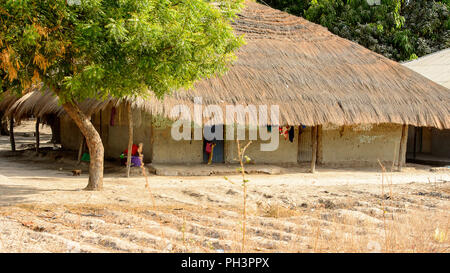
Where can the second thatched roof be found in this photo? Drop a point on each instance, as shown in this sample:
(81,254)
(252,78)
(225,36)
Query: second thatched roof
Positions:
(313,75)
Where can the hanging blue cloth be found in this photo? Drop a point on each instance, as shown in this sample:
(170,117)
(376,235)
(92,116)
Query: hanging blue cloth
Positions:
(291,134)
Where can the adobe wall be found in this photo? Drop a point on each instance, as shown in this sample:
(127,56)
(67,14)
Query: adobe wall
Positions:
(286,152)
(70,134)
(348,145)
(360,145)
(167,150)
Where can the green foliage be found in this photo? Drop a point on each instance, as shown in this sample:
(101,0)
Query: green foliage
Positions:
(397,29)
(99,48)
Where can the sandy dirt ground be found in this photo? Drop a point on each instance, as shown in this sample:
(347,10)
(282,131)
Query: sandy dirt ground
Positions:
(44,209)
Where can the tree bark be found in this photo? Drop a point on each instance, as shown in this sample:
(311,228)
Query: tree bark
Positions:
(130,138)
(11,134)
(314,148)
(38,121)
(94,143)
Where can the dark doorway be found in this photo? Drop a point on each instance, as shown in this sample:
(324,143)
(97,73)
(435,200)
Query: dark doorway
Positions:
(217,151)
(428,146)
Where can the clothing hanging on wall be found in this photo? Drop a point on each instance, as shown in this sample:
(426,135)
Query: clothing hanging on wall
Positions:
(300,129)
(291,134)
(285,131)
(208,147)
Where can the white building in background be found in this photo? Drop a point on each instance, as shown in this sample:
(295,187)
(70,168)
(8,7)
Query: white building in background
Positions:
(373,2)
(435,66)
(430,144)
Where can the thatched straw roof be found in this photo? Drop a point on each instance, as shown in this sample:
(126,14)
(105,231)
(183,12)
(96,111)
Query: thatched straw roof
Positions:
(6,101)
(314,76)
(33,103)
(40,102)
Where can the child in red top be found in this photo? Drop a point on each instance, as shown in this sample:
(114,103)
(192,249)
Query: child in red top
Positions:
(134,150)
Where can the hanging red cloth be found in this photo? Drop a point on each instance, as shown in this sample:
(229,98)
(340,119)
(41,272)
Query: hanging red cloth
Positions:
(134,150)
(208,147)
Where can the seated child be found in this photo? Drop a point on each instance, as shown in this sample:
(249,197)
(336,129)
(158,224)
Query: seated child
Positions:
(136,155)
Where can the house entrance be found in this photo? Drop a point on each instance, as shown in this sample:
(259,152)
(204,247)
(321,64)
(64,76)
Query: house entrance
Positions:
(213,150)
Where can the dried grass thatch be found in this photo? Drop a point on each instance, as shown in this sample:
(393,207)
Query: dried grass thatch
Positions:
(7,99)
(35,103)
(314,76)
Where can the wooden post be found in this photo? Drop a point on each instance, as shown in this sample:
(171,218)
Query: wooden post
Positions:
(401,158)
(314,148)
(130,138)
(81,148)
(298,143)
(38,120)
(11,134)
(415,143)
(319,145)
(152,140)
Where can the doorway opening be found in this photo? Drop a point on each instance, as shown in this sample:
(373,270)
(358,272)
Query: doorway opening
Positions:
(428,146)
(213,150)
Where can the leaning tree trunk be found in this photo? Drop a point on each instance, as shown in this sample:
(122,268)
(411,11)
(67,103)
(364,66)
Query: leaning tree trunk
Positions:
(94,143)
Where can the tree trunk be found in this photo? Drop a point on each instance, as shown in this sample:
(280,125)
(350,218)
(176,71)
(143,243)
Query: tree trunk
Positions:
(38,120)
(130,138)
(11,134)
(94,143)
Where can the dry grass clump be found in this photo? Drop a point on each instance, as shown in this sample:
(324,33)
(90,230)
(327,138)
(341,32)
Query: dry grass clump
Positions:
(276,210)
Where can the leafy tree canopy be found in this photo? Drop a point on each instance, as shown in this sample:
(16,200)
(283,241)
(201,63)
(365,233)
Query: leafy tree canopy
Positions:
(398,29)
(97,48)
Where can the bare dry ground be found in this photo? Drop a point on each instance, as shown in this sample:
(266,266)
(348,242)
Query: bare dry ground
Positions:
(43,209)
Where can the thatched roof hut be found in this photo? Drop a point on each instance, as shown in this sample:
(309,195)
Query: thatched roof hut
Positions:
(313,75)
